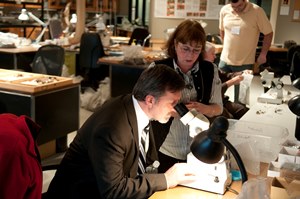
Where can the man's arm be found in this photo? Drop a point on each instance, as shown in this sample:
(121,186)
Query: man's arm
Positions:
(262,58)
(222,34)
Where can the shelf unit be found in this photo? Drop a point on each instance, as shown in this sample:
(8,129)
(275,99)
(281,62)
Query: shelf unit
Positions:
(15,26)
(91,5)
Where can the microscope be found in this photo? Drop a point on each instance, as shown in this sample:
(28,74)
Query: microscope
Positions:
(273,88)
(212,177)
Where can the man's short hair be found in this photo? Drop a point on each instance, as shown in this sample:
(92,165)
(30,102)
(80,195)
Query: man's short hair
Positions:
(156,80)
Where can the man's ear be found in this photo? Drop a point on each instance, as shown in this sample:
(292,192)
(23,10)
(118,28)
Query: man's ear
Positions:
(150,100)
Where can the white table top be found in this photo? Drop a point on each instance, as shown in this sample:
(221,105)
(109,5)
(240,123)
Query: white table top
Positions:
(20,49)
(275,114)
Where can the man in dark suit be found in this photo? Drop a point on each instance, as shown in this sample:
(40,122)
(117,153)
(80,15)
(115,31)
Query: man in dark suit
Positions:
(102,161)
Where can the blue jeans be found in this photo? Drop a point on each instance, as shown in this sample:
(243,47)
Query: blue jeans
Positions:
(231,68)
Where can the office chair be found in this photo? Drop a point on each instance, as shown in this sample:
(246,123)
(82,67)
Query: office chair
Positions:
(293,55)
(49,60)
(214,38)
(55,28)
(91,49)
(209,37)
(217,39)
(139,35)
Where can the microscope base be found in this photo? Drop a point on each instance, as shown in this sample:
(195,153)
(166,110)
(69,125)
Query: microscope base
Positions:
(273,96)
(212,177)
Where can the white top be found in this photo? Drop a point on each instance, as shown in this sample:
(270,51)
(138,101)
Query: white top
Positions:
(142,122)
(241,33)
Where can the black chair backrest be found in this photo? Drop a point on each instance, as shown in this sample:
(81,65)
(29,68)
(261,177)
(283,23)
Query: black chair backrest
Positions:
(49,60)
(294,61)
(91,49)
(214,38)
(217,39)
(55,28)
(139,34)
(209,37)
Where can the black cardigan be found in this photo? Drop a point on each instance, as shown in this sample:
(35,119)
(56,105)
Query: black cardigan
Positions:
(206,71)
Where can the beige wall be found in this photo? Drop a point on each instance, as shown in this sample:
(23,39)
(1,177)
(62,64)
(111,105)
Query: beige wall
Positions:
(284,28)
(158,25)
(122,7)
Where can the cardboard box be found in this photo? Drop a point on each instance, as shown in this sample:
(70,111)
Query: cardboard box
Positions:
(273,169)
(285,170)
(290,171)
(290,155)
(291,144)
(282,188)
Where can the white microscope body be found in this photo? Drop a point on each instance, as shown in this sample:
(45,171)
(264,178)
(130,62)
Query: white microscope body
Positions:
(211,177)
(273,88)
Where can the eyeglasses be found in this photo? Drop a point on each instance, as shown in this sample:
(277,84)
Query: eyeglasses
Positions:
(187,49)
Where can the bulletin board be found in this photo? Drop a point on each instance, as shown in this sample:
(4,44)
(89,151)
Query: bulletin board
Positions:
(199,9)
(296,11)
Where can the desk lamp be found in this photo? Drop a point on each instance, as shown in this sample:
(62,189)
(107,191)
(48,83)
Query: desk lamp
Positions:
(73,19)
(294,106)
(208,146)
(24,16)
(145,40)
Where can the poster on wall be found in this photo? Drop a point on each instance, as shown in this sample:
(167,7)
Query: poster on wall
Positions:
(296,11)
(202,9)
(285,7)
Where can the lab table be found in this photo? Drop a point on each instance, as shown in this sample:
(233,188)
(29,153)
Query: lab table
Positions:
(52,105)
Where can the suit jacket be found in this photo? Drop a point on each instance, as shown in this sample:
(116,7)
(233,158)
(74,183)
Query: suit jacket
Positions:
(103,158)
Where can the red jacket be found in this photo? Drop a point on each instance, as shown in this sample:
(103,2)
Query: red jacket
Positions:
(20,168)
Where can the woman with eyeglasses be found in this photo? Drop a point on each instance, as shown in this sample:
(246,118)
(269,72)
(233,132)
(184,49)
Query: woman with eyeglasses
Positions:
(185,49)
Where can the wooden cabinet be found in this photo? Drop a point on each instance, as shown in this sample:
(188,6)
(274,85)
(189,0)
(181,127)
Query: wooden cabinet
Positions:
(91,5)
(58,4)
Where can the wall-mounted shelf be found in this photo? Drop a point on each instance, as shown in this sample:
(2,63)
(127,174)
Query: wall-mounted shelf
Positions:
(13,25)
(91,5)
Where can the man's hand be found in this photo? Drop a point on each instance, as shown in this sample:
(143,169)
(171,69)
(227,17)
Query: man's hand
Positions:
(179,173)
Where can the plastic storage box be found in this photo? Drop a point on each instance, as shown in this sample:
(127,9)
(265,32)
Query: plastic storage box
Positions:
(265,140)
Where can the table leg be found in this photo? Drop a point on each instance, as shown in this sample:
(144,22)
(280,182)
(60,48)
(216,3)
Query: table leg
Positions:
(15,61)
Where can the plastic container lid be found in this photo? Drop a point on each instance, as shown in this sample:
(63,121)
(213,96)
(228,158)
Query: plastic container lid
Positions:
(266,139)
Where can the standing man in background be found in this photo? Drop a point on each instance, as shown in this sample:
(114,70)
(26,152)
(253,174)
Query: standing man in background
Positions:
(240,24)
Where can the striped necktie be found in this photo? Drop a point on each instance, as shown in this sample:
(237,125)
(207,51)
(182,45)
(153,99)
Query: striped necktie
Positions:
(142,155)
